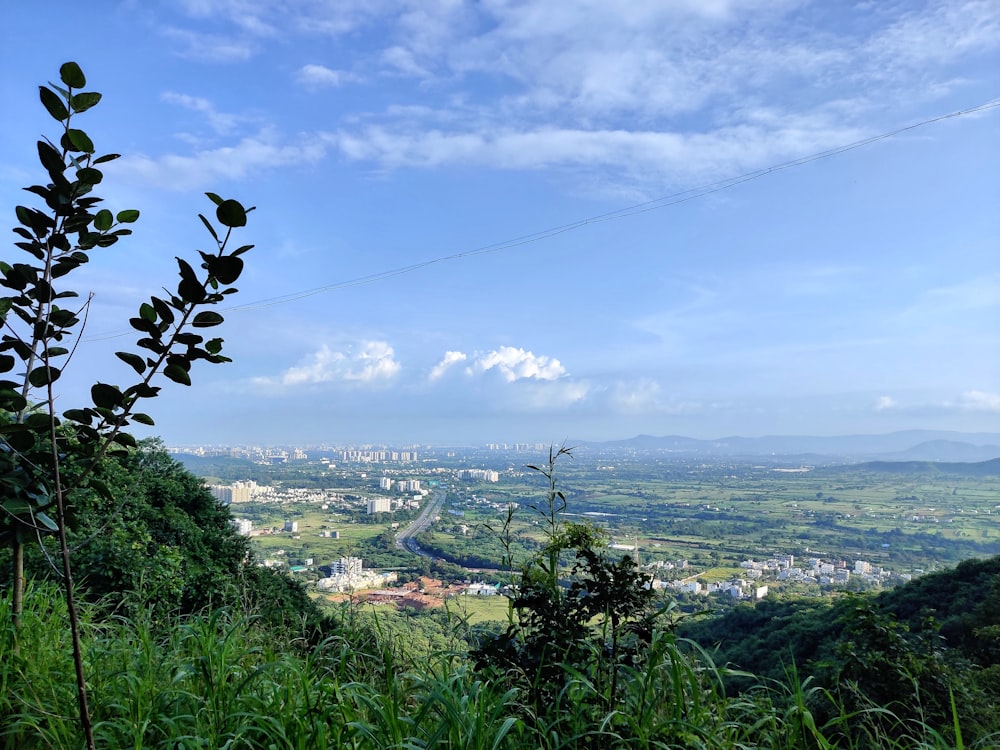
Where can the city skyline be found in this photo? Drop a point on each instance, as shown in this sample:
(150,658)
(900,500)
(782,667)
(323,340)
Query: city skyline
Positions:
(518,221)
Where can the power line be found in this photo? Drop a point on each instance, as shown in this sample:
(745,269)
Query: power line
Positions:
(655,204)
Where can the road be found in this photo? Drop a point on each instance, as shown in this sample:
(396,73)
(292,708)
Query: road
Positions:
(433,508)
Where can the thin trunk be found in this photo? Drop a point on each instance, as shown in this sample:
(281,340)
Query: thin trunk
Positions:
(74,624)
(18,594)
(74,618)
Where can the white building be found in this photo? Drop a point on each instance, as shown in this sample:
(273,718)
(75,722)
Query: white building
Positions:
(346,566)
(379,505)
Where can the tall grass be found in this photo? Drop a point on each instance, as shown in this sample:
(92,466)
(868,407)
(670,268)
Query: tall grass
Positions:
(222,680)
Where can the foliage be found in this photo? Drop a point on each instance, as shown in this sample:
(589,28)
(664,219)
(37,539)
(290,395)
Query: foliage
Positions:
(907,651)
(583,623)
(39,331)
(46,459)
(226,679)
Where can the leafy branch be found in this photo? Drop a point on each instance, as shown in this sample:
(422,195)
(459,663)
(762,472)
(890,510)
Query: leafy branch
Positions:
(44,458)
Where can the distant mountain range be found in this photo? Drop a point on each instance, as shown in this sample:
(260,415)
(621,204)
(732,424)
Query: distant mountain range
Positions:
(908,445)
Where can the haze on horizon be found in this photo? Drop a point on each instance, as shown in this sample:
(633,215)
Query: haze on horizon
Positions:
(423,173)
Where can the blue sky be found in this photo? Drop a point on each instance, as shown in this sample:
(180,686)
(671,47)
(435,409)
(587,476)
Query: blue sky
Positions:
(857,293)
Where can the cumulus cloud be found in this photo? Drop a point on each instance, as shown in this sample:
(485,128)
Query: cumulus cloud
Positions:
(449,359)
(373,361)
(517,364)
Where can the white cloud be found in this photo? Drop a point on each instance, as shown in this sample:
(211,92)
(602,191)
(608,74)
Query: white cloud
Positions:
(220,122)
(320,76)
(517,364)
(980,401)
(207,167)
(374,361)
(210,47)
(546,395)
(646,155)
(677,74)
(646,396)
(449,359)
(886,403)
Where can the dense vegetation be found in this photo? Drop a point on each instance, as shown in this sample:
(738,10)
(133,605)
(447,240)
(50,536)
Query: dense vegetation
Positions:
(589,657)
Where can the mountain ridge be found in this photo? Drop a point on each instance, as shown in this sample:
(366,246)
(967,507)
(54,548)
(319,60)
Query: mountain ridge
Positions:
(904,445)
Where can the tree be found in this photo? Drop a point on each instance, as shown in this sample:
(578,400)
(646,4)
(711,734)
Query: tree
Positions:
(46,459)
(579,612)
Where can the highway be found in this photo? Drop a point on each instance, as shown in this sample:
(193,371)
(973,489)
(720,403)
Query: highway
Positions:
(434,507)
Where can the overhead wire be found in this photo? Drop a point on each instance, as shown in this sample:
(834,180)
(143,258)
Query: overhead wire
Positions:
(654,204)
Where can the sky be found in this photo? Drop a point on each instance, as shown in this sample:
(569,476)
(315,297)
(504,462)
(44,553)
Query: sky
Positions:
(543,221)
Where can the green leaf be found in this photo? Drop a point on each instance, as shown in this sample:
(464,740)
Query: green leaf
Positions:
(128,216)
(163,309)
(143,419)
(145,326)
(6,363)
(153,345)
(46,521)
(136,362)
(37,421)
(213,346)
(147,312)
(106,396)
(80,140)
(20,441)
(82,416)
(72,76)
(190,289)
(52,102)
(89,176)
(52,161)
(227,269)
(206,319)
(242,249)
(209,227)
(43,376)
(103,220)
(231,214)
(16,506)
(124,438)
(12,400)
(214,198)
(84,100)
(142,390)
(177,374)
(101,489)
(106,158)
